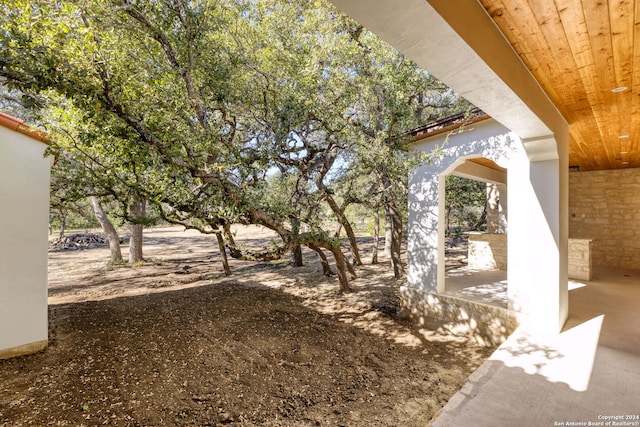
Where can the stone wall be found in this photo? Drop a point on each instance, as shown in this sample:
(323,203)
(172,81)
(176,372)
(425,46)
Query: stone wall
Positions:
(605,206)
(485,324)
(487,251)
(580,259)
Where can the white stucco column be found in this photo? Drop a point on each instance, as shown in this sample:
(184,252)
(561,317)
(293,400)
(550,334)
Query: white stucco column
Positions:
(535,247)
(536,198)
(423,239)
(533,266)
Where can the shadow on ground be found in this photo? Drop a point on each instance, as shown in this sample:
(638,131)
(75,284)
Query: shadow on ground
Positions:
(221,354)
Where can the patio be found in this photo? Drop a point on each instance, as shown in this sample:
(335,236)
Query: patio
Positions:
(589,371)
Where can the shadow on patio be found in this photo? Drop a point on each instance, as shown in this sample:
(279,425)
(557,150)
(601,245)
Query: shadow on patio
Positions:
(589,371)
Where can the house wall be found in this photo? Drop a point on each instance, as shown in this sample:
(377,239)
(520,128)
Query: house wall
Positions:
(489,251)
(422,297)
(487,139)
(604,206)
(538,284)
(24,207)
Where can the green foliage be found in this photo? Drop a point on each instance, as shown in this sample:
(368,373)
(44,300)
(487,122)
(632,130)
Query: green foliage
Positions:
(75,216)
(465,204)
(219,111)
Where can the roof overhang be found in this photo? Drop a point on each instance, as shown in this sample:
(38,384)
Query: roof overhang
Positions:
(19,126)
(460,44)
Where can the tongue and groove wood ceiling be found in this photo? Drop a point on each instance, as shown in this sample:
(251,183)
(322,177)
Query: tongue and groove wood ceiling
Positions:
(584,55)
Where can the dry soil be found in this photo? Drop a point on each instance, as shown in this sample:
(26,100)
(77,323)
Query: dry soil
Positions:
(175,343)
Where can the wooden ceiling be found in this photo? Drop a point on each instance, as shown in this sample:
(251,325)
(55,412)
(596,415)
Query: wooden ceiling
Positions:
(488,164)
(581,51)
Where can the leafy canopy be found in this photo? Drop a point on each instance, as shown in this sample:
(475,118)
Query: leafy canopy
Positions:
(219,110)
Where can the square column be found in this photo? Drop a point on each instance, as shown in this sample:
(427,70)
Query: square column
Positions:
(537,252)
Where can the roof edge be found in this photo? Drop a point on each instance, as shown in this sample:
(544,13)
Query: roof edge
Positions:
(447,124)
(20,126)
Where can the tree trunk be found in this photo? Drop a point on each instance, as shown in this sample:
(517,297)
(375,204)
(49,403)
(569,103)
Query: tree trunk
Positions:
(223,253)
(350,268)
(234,251)
(138,210)
(63,222)
(296,253)
(388,236)
(347,229)
(228,234)
(482,220)
(376,236)
(296,250)
(326,268)
(342,218)
(338,230)
(396,245)
(249,255)
(109,230)
(341,266)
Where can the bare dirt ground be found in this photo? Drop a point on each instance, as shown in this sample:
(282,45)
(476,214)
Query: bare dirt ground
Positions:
(175,343)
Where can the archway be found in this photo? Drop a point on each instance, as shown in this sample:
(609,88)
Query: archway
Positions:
(484,150)
(483,278)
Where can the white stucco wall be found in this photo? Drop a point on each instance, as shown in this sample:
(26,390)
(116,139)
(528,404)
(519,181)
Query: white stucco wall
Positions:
(24,207)
(537,246)
(490,140)
(537,285)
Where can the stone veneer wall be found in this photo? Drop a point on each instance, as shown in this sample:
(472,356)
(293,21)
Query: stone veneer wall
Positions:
(580,259)
(487,250)
(485,324)
(605,206)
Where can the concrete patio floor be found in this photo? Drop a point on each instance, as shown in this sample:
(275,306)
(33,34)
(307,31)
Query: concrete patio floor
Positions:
(481,286)
(588,373)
